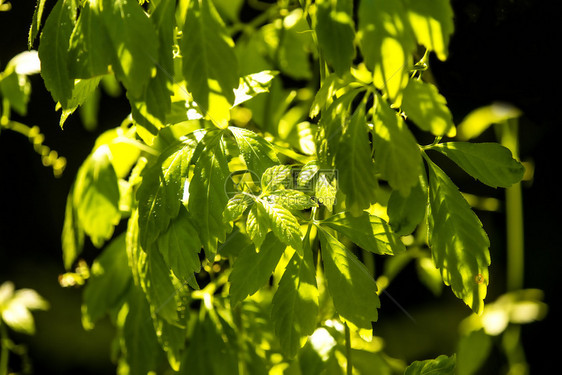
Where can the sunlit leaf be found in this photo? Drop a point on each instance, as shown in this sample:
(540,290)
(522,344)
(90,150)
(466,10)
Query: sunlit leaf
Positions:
(387,43)
(397,154)
(432,23)
(90,44)
(96,196)
(353,289)
(53,51)
(257,152)
(406,212)
(356,169)
(109,280)
(282,222)
(16,89)
(72,238)
(295,303)
(161,191)
(35,23)
(179,244)
(459,245)
(441,365)
(336,33)
(207,192)
(427,108)
(490,163)
(367,231)
(259,264)
(480,119)
(134,41)
(209,63)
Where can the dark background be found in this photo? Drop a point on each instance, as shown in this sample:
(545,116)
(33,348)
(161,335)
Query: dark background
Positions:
(502,50)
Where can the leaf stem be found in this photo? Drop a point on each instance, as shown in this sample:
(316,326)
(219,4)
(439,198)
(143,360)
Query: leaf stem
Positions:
(514,213)
(349,370)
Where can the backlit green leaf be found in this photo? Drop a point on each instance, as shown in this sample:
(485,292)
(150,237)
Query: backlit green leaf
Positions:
(427,108)
(161,191)
(207,192)
(252,269)
(291,199)
(432,23)
(387,43)
(397,154)
(35,23)
(367,231)
(356,169)
(257,152)
(295,303)
(90,45)
(53,51)
(72,238)
(109,280)
(442,365)
(282,222)
(15,88)
(336,33)
(96,196)
(490,163)
(459,245)
(135,43)
(257,224)
(179,244)
(406,212)
(353,289)
(209,63)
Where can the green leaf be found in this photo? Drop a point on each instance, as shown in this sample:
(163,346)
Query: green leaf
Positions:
(459,245)
(210,66)
(257,152)
(82,90)
(442,365)
(96,196)
(282,222)
(157,282)
(295,303)
(432,23)
(335,30)
(16,89)
(257,224)
(53,51)
(134,41)
(406,212)
(356,169)
(207,192)
(139,342)
(252,85)
(109,280)
(480,119)
(387,44)
(275,178)
(427,108)
(90,45)
(367,231)
(291,199)
(260,264)
(490,163)
(180,247)
(353,289)
(397,154)
(236,207)
(35,23)
(161,191)
(472,351)
(72,238)
(213,353)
